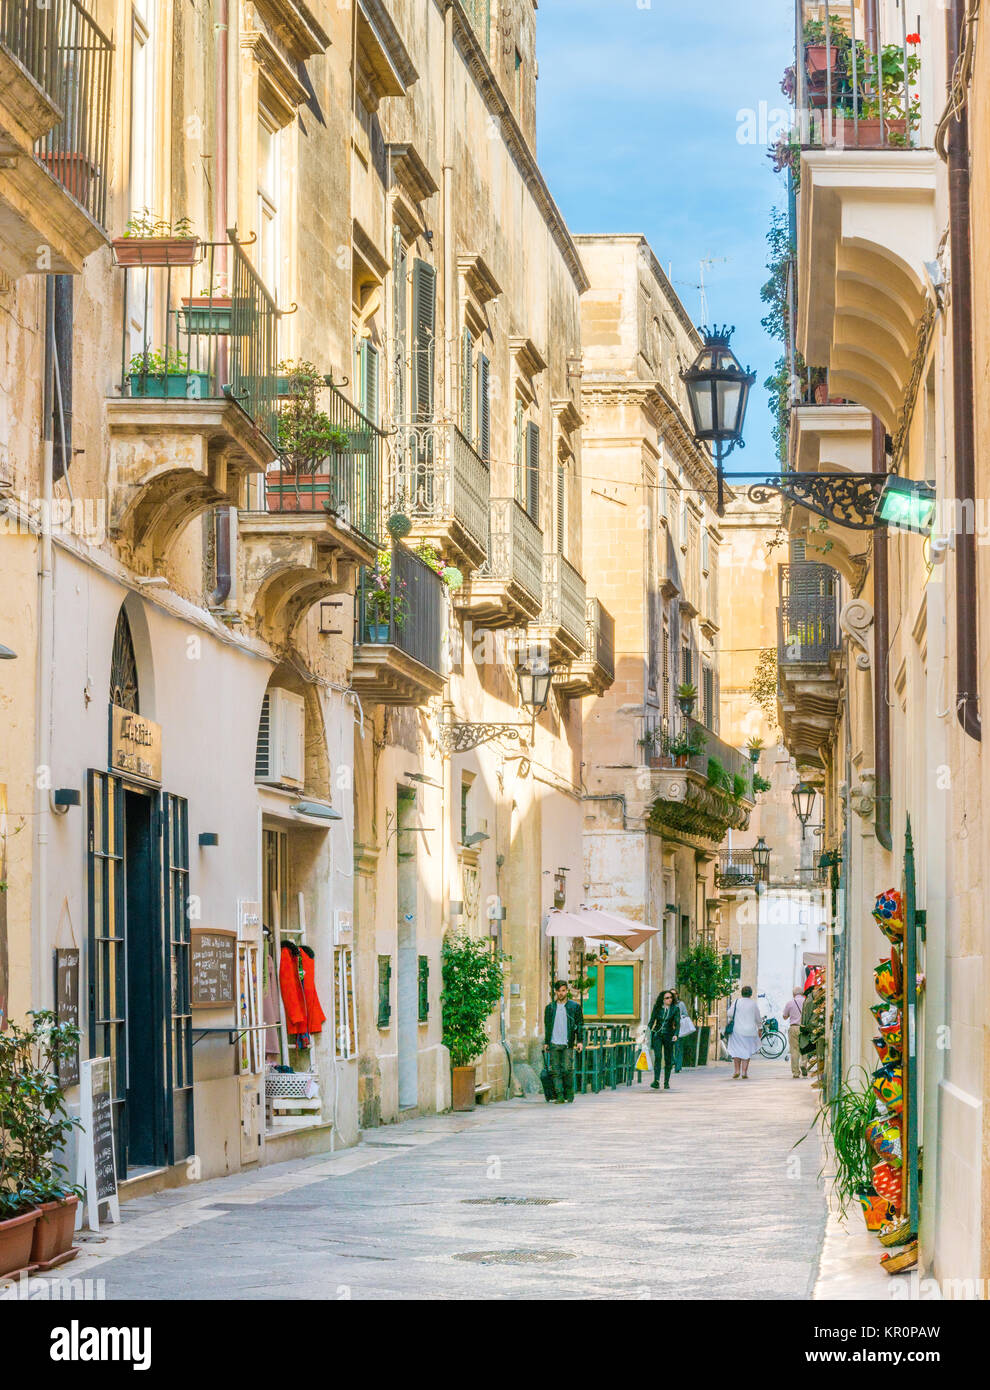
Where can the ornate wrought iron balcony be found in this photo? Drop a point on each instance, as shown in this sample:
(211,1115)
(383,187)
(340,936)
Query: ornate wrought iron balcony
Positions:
(507,590)
(736,869)
(807,614)
(55,84)
(443,485)
(594,670)
(563,617)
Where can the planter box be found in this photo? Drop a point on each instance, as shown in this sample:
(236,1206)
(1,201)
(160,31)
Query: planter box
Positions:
(872,133)
(704,1035)
(156,250)
(376,632)
(16,1241)
(73,171)
(52,1244)
(306,492)
(207,316)
(462,1088)
(689,1049)
(187,386)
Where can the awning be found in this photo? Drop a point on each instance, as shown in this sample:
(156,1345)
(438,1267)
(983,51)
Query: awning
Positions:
(595,925)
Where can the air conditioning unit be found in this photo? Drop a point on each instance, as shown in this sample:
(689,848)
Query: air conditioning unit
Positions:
(280,756)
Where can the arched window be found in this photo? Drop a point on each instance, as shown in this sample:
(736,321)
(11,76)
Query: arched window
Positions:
(123,667)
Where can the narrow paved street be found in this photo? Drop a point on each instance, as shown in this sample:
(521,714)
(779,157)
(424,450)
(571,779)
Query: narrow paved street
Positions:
(695,1193)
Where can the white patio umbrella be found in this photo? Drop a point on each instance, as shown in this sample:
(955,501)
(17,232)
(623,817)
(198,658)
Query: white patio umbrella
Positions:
(595,925)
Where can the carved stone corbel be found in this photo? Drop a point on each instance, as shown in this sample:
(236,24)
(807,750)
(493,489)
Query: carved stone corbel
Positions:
(856,621)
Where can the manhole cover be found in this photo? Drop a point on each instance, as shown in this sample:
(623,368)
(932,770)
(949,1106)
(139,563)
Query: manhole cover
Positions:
(509,1201)
(515,1257)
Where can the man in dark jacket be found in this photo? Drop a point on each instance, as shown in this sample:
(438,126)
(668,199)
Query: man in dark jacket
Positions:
(563,1035)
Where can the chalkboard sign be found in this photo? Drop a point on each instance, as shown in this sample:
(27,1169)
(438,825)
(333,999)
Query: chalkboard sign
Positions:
(214,968)
(67,1010)
(97,1161)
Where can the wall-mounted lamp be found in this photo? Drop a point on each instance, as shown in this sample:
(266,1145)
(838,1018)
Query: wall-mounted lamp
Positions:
(803,797)
(316,810)
(208,838)
(476,837)
(64,797)
(535,679)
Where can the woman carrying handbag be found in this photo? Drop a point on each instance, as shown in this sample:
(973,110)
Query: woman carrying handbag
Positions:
(742,1032)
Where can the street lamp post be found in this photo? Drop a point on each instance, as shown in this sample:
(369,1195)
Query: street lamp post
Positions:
(718,392)
(761,858)
(803,797)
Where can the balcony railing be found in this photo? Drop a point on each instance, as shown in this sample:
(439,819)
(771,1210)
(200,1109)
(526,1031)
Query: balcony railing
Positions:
(856,79)
(737,869)
(345,485)
(202,332)
(664,739)
(405,608)
(807,614)
(515,548)
(438,478)
(564,600)
(600,636)
(69,56)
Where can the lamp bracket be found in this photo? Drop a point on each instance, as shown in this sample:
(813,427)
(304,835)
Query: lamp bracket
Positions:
(848,499)
(461,738)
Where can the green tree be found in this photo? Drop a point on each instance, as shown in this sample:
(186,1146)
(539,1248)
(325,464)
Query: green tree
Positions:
(705,977)
(472,987)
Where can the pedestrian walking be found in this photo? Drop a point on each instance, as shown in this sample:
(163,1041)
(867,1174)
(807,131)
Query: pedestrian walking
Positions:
(665,1020)
(563,1035)
(792,1018)
(742,1031)
(684,1028)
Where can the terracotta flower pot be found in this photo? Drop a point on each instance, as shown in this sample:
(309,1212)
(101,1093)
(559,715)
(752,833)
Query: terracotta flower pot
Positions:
(156,250)
(462,1088)
(53,1233)
(16,1238)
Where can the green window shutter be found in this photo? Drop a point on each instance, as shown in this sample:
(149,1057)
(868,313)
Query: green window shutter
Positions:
(424,311)
(370,380)
(533,471)
(424,988)
(467,384)
(561,509)
(484,408)
(399,271)
(384,991)
(520,459)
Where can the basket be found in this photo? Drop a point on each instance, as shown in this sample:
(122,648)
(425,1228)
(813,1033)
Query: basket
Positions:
(290,1083)
(904,1259)
(897,1234)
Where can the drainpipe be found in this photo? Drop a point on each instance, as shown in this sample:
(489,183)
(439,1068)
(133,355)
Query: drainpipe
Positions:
(221,516)
(448,206)
(957,142)
(881,628)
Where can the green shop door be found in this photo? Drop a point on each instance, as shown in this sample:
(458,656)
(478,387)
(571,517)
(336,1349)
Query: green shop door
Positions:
(139,967)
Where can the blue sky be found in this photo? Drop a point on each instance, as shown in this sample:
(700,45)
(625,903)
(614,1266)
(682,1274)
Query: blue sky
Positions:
(638,104)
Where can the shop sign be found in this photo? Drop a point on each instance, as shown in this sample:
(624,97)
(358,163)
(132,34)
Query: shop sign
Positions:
(135,746)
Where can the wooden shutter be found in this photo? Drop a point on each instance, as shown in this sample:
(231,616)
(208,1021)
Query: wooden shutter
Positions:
(467,386)
(424,307)
(384,991)
(399,269)
(665,699)
(561,509)
(484,408)
(520,459)
(533,471)
(369,379)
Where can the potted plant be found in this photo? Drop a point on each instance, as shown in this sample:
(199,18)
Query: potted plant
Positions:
(472,987)
(383,610)
(165,372)
(754,747)
(687,694)
(37,1206)
(307,438)
(210,312)
(150,240)
(688,744)
(704,977)
(845,1119)
(887,111)
(73,171)
(826,51)
(450,574)
(761,784)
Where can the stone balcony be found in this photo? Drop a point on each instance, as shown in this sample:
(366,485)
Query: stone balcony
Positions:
(399,635)
(53,173)
(561,629)
(593,671)
(507,590)
(808,659)
(441,482)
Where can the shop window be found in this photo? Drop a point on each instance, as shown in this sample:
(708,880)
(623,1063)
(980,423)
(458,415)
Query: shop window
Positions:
(345,1015)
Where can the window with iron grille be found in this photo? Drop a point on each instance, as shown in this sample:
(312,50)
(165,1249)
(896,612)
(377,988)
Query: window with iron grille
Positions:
(384,991)
(423,981)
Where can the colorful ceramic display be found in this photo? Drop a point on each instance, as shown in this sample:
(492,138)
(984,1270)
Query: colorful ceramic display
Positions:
(888,912)
(877,1210)
(888,1144)
(886,978)
(887,1181)
(889,1086)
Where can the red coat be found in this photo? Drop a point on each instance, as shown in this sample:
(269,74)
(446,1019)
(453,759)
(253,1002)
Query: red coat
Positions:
(303,1013)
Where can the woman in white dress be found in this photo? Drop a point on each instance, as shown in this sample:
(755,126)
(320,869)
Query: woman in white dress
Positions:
(744,1036)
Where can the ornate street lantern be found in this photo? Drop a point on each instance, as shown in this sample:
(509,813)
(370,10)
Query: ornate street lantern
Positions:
(803,797)
(718,392)
(761,858)
(535,678)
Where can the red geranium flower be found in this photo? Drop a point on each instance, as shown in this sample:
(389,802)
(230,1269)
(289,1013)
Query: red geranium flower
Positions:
(913,38)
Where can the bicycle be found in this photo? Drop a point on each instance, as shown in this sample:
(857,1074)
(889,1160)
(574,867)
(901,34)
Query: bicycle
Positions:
(773,1042)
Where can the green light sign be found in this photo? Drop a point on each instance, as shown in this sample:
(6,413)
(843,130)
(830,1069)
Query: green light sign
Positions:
(907,505)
